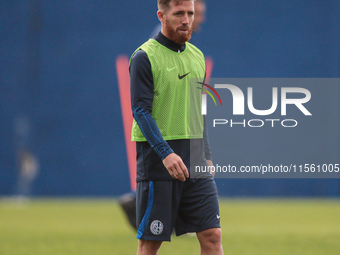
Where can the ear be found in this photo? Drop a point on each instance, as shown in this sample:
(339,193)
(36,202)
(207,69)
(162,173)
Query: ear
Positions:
(160,15)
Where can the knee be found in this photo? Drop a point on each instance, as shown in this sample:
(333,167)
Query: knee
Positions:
(148,247)
(211,237)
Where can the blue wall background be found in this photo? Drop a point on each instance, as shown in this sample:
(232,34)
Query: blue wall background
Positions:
(57,70)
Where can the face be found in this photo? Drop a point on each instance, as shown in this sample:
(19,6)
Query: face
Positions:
(199,16)
(177,21)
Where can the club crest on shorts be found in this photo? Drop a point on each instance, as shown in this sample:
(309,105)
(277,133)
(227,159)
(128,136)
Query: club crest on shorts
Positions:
(156,227)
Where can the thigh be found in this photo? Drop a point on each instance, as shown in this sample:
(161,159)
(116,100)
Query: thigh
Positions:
(156,207)
(199,209)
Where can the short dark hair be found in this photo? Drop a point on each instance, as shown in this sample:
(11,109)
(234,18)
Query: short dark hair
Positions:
(164,4)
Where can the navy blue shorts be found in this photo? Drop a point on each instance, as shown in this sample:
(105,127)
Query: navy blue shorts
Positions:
(190,206)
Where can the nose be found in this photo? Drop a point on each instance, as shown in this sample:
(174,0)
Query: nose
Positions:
(185,20)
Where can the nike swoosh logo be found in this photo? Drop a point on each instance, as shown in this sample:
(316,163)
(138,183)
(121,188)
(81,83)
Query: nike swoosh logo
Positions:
(218,216)
(170,69)
(182,76)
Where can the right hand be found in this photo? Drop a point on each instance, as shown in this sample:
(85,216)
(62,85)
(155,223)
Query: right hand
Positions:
(175,166)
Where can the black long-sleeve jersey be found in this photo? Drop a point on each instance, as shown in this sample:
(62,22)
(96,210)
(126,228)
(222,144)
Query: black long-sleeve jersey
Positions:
(151,153)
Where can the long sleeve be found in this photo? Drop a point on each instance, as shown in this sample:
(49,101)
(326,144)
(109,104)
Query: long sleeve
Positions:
(207,150)
(141,101)
(151,132)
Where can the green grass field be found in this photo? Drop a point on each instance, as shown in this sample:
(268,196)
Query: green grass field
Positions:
(98,227)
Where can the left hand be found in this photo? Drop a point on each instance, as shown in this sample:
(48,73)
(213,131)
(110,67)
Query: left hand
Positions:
(212,167)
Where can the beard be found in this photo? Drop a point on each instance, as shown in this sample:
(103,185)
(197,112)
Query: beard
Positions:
(176,35)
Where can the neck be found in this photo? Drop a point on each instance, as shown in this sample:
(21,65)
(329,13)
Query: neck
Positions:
(162,39)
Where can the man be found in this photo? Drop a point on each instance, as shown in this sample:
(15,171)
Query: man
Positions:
(200,9)
(167,197)
(128,201)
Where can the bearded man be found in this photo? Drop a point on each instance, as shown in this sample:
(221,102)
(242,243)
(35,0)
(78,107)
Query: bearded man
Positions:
(163,109)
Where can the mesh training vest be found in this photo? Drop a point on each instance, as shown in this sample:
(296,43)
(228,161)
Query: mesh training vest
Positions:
(176,106)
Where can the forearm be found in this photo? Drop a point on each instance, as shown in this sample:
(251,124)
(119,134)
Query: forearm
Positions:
(151,132)
(207,149)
